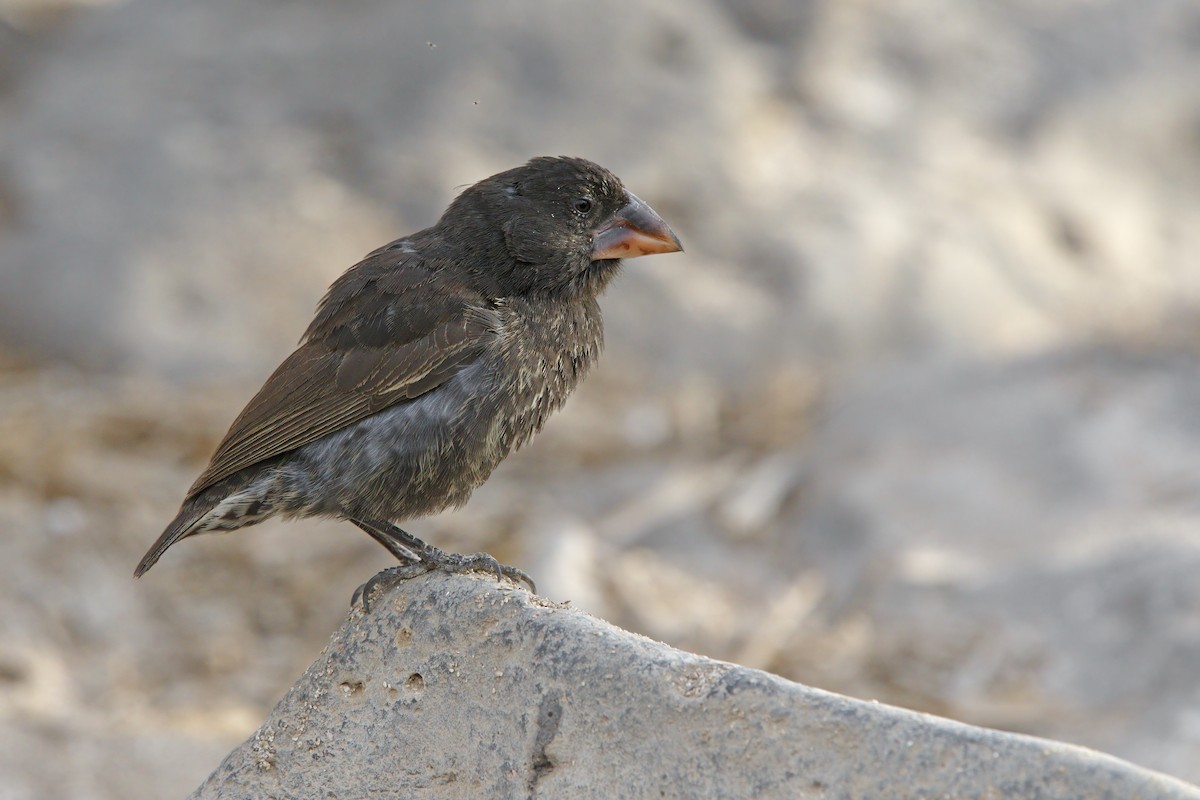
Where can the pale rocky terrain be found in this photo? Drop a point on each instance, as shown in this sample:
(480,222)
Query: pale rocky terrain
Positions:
(455,687)
(915,418)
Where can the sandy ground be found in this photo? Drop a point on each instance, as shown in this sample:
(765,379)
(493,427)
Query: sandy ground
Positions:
(915,418)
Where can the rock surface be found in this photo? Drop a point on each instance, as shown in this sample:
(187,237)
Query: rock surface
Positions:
(456,687)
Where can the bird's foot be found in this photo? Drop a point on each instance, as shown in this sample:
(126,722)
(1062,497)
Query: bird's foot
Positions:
(386,579)
(435,559)
(472,562)
(406,547)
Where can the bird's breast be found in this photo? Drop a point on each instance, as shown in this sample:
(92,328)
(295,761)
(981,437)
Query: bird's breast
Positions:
(424,455)
(545,350)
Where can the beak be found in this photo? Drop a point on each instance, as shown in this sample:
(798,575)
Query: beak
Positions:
(635,230)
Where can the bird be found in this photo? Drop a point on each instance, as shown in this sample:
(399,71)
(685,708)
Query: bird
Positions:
(429,362)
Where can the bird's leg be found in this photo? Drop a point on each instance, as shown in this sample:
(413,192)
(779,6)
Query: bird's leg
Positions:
(436,558)
(405,546)
(410,565)
(403,553)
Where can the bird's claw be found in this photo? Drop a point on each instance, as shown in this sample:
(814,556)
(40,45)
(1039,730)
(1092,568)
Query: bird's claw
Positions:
(514,574)
(439,559)
(474,562)
(388,577)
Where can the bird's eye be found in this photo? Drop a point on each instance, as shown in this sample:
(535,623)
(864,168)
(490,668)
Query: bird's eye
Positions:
(582,205)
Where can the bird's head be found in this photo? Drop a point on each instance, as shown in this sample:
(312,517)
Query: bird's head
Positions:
(557,226)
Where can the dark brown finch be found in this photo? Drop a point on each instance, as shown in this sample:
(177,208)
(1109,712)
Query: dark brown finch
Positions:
(430,361)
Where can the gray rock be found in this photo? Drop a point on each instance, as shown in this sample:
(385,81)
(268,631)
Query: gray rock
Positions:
(1031,524)
(455,687)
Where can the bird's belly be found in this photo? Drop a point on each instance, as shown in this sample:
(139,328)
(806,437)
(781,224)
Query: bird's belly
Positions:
(417,457)
(430,453)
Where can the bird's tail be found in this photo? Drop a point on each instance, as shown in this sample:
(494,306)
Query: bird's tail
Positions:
(185,524)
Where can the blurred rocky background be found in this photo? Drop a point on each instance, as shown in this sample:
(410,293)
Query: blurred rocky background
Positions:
(915,418)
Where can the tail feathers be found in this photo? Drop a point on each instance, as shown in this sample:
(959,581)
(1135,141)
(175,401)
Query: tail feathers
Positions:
(184,525)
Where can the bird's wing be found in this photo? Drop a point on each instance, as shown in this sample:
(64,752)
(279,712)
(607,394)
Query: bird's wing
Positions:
(399,333)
